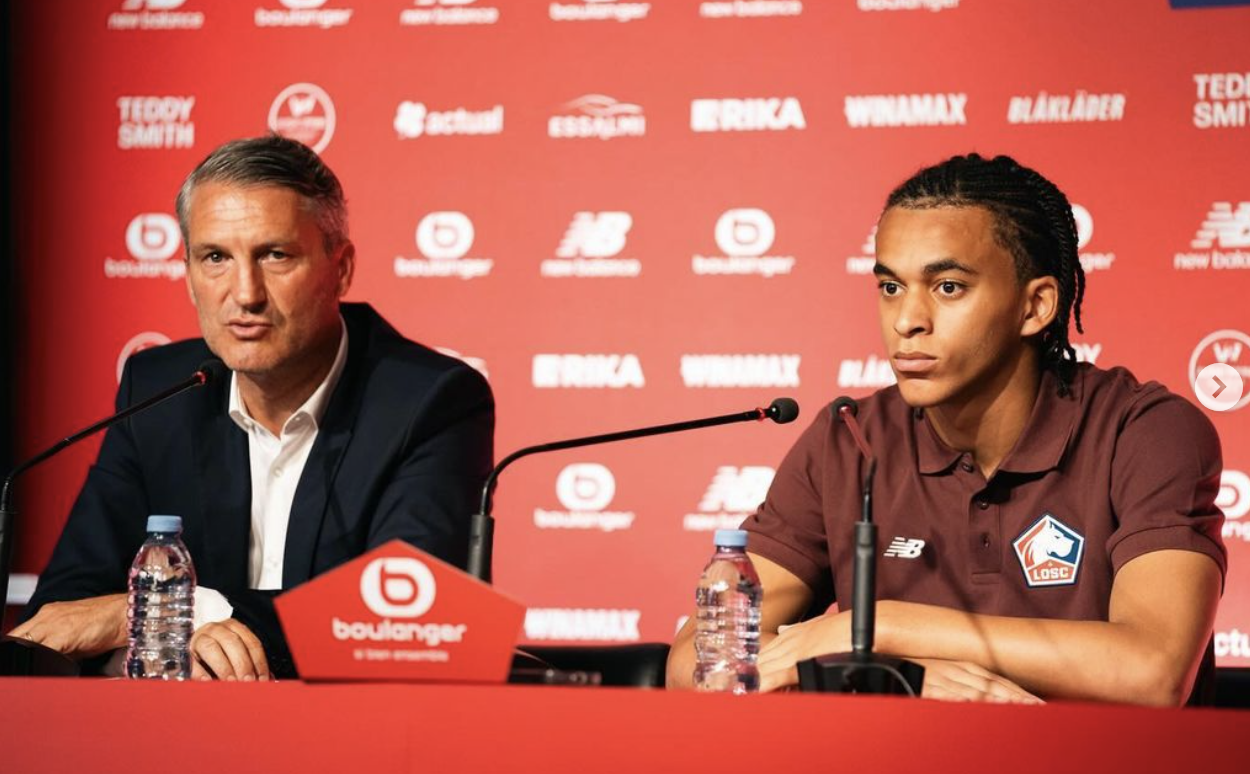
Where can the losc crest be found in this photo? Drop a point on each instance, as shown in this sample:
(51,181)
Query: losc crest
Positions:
(398,613)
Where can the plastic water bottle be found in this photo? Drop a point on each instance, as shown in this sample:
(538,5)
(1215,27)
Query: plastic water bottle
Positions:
(727,628)
(162,595)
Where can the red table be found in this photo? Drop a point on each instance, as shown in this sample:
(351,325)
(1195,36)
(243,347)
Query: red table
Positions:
(95,725)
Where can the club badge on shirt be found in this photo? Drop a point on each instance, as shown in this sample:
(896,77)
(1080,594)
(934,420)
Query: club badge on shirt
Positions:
(1049,552)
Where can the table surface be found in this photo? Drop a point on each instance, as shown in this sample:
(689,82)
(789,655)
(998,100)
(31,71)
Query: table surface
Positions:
(97,725)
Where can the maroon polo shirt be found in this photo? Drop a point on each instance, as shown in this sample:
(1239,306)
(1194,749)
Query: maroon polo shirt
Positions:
(1115,470)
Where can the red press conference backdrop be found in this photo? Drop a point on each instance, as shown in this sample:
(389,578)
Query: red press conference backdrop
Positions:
(627,213)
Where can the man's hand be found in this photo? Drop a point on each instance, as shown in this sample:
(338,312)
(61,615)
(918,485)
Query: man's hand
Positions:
(79,629)
(227,650)
(965,681)
(830,633)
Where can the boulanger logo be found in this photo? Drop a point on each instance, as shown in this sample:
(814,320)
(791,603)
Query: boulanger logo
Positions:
(1221,242)
(903,110)
(451,13)
(1090,261)
(1222,101)
(155,15)
(155,122)
(1234,500)
(598,10)
(863,263)
(591,245)
(586,624)
(1049,552)
(744,235)
(585,490)
(1219,369)
(906,5)
(302,13)
(304,112)
(752,114)
(749,9)
(444,239)
(1078,107)
(597,116)
(138,343)
(734,494)
(398,586)
(756,370)
(152,238)
(872,372)
(596,371)
(413,119)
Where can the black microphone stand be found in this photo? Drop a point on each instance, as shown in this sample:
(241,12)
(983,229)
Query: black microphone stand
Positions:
(482,525)
(861,670)
(15,662)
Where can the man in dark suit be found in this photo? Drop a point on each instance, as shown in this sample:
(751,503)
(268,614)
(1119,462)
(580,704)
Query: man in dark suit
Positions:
(333,435)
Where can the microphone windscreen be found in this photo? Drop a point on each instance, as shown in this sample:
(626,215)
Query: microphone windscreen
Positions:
(783,410)
(212,369)
(849,403)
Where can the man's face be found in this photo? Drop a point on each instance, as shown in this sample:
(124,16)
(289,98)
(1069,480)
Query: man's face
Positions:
(952,311)
(265,290)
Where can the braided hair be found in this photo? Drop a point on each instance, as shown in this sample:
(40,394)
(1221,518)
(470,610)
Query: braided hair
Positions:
(1032,221)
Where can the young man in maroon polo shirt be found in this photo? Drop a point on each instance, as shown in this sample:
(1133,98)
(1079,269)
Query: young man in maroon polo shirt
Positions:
(1048,528)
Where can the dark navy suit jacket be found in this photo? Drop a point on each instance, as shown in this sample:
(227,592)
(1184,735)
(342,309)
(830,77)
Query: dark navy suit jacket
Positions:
(402,452)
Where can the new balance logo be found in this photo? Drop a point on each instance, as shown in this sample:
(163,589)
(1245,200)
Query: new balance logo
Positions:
(1224,227)
(904,548)
(906,110)
(734,494)
(737,489)
(595,235)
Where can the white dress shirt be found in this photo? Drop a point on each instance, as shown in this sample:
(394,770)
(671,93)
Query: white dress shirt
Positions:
(277,462)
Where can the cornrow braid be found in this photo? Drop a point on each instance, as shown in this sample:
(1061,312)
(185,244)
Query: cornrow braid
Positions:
(1032,220)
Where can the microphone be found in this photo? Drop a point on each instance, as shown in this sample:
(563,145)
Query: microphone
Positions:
(209,371)
(861,671)
(482,526)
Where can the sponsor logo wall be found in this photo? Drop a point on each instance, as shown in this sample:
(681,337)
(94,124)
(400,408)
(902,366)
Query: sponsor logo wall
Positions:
(638,213)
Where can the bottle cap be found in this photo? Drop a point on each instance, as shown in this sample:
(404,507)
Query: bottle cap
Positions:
(164,524)
(730,538)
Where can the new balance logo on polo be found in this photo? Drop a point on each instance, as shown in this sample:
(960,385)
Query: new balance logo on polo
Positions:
(904,548)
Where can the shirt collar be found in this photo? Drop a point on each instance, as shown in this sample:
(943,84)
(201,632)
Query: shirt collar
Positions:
(312,409)
(1039,448)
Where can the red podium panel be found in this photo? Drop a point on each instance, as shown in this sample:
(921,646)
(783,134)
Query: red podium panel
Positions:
(104,726)
(397,613)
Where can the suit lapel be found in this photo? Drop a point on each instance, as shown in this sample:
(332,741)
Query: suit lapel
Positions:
(317,483)
(221,458)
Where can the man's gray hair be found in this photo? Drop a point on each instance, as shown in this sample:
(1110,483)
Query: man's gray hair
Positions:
(277,161)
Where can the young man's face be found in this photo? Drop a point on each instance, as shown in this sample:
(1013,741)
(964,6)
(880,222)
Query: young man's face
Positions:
(265,290)
(952,311)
